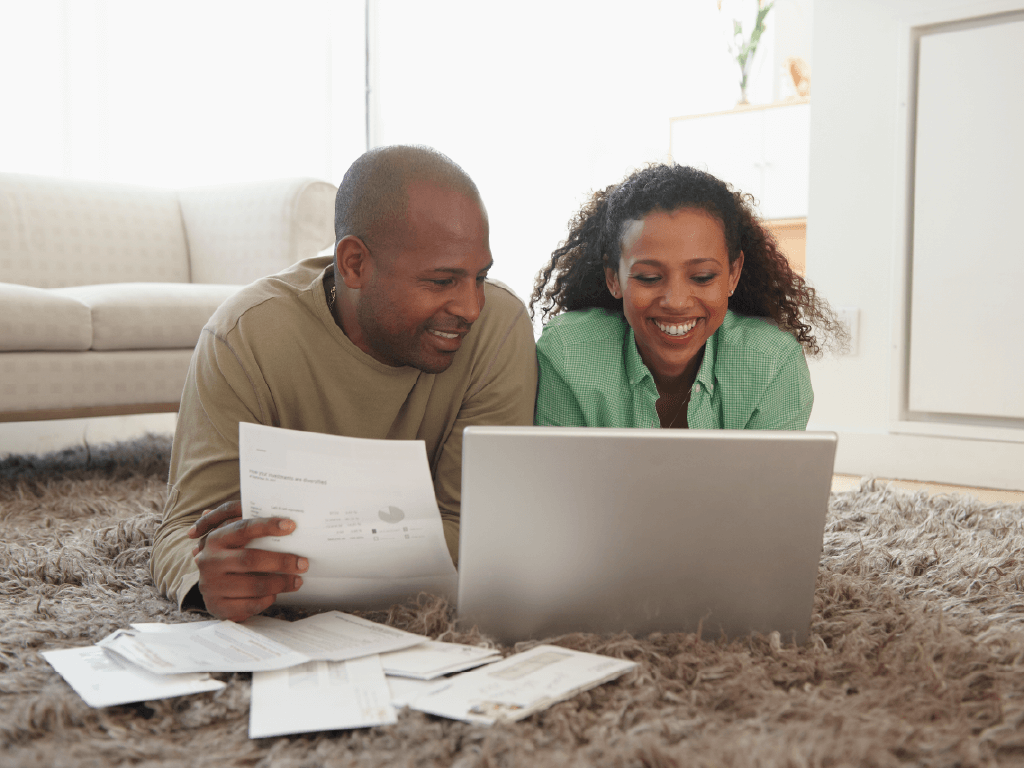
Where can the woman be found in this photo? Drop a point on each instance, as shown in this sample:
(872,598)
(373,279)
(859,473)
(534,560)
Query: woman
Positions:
(671,306)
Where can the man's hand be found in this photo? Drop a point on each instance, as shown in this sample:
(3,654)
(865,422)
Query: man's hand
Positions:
(227,512)
(236,582)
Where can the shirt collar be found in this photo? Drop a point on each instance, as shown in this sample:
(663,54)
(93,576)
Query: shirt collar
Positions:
(706,372)
(637,371)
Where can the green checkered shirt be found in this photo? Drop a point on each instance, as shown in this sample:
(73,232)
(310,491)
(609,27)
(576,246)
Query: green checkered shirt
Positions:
(753,376)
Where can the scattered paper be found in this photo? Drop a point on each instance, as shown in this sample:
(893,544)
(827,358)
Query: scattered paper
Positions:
(104,680)
(333,636)
(405,689)
(320,696)
(433,659)
(519,685)
(220,647)
(261,644)
(365,514)
(184,626)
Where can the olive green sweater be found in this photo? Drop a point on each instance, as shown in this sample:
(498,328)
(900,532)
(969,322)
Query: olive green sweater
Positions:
(272,354)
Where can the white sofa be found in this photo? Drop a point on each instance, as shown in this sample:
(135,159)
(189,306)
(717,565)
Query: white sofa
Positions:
(104,288)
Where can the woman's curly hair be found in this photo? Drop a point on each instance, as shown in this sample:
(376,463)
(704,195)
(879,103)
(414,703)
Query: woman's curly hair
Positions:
(768,286)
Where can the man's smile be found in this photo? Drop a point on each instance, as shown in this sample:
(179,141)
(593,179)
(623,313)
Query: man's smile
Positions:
(443,335)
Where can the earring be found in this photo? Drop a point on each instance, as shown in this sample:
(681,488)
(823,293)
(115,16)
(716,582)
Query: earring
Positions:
(732,292)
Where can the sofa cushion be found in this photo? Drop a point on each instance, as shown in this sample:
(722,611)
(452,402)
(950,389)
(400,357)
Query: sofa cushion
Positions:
(148,315)
(59,232)
(32,381)
(36,319)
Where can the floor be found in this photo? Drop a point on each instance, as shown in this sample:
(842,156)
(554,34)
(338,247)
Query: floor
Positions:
(30,437)
(988,495)
(44,436)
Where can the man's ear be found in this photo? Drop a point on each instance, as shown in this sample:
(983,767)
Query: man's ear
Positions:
(611,279)
(353,261)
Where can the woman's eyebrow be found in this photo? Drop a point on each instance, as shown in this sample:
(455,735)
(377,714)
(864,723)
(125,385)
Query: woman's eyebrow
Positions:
(658,262)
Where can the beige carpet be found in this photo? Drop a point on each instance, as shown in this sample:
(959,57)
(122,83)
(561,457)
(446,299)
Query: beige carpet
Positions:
(916,655)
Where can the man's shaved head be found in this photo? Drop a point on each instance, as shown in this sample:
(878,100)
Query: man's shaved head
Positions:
(373,197)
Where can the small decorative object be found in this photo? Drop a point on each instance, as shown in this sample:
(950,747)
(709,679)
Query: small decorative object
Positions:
(800,71)
(743,48)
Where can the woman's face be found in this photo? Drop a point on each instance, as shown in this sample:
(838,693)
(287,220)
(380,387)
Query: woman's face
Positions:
(674,279)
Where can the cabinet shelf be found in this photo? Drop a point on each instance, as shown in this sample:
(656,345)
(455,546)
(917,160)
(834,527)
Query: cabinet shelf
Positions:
(762,150)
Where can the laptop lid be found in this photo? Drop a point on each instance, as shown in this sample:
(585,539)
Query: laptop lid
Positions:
(641,530)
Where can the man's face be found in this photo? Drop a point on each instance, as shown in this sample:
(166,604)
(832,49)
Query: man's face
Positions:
(426,283)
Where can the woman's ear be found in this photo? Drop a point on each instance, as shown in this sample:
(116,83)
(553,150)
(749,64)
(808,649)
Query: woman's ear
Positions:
(353,261)
(734,273)
(611,279)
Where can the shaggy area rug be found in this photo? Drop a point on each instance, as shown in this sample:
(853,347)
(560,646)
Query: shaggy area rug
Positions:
(916,653)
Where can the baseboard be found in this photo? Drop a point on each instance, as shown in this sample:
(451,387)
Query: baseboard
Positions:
(979,463)
(47,414)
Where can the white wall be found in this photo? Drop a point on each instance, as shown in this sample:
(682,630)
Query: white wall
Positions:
(792,22)
(857,240)
(542,102)
(185,93)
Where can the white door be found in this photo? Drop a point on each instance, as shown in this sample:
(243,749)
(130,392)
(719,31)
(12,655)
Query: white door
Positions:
(967,282)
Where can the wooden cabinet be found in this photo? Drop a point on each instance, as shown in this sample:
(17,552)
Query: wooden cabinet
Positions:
(762,150)
(791,235)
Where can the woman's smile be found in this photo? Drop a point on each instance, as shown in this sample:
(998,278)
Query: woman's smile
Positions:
(675,329)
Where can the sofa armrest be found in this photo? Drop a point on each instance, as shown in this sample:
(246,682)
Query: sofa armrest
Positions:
(238,233)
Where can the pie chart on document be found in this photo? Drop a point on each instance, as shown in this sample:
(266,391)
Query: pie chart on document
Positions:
(391,515)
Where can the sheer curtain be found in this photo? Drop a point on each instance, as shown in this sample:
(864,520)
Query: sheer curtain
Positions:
(184,93)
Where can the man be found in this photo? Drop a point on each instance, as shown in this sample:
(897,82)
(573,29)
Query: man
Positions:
(397,336)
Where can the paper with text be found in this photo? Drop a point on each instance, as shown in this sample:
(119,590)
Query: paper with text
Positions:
(181,626)
(519,685)
(221,647)
(364,510)
(320,696)
(405,689)
(433,659)
(105,680)
(333,636)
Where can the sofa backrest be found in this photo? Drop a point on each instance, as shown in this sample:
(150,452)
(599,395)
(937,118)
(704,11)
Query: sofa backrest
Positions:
(238,233)
(56,233)
(59,233)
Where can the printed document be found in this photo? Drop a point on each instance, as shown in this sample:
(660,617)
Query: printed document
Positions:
(220,647)
(405,689)
(333,636)
(262,643)
(433,659)
(104,680)
(364,510)
(320,696)
(519,685)
(185,626)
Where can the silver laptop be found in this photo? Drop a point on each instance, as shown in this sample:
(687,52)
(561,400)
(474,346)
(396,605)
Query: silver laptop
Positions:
(641,530)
